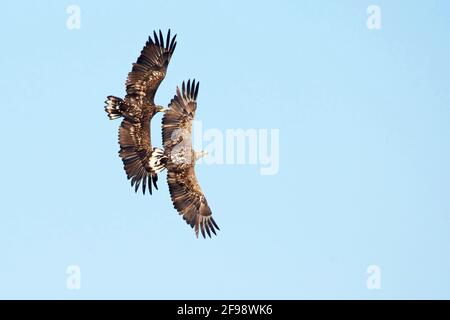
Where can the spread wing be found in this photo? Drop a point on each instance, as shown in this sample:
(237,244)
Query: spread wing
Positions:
(185,191)
(150,68)
(190,201)
(141,161)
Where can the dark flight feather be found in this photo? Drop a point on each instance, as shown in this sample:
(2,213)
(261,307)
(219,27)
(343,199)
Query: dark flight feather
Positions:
(150,68)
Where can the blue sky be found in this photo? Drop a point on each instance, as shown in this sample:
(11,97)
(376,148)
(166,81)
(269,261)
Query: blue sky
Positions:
(364,179)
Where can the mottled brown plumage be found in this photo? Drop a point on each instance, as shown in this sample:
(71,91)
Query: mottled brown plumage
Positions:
(185,191)
(150,69)
(141,161)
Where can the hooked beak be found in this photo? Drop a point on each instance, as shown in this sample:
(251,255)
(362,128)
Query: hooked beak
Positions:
(161,109)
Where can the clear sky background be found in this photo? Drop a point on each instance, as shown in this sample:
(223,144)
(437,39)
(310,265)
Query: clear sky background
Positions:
(364,176)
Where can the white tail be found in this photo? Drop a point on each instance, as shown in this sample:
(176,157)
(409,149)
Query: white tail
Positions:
(113,107)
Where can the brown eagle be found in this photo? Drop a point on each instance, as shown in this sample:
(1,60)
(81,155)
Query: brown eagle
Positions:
(141,161)
(180,158)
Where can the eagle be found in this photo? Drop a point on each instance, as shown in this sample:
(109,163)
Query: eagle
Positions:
(179,160)
(141,161)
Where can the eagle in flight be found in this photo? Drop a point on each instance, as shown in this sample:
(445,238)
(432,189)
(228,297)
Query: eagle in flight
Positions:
(142,162)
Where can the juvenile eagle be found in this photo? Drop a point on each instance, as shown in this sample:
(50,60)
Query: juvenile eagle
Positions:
(142,162)
(180,158)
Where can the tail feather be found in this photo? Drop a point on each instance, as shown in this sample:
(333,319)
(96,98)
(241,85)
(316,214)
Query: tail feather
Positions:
(113,107)
(157,160)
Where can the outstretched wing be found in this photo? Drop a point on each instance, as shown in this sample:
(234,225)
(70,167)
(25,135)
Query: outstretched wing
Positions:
(190,201)
(185,191)
(141,161)
(177,121)
(150,68)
